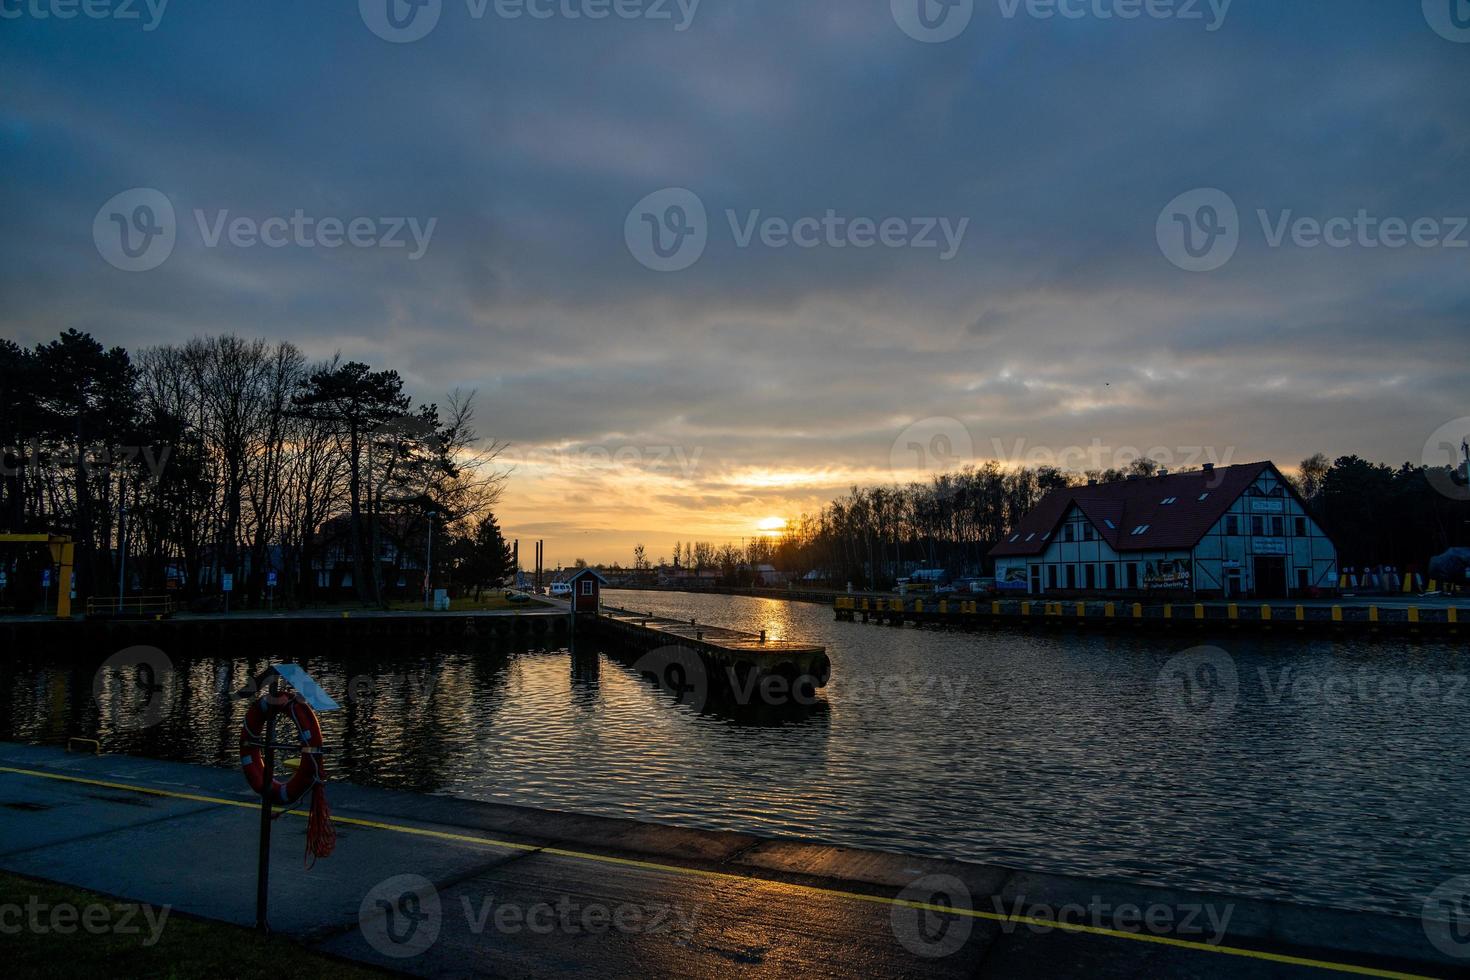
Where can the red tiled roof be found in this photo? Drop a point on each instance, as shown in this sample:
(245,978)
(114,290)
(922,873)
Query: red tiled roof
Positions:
(1133,503)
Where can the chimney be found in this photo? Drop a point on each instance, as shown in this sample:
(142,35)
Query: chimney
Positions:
(1091,482)
(1163,472)
(1209,468)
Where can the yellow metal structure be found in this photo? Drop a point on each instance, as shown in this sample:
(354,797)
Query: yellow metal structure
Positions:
(62,553)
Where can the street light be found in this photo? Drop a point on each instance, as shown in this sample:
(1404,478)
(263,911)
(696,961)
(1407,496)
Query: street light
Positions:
(429,566)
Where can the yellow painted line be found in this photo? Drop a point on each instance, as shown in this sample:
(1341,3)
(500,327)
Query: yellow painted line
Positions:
(1190,944)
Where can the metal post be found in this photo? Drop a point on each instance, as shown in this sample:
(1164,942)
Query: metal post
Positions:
(263,868)
(429,567)
(122,540)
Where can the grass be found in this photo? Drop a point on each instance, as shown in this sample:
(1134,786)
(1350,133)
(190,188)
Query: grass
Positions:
(493,600)
(183,948)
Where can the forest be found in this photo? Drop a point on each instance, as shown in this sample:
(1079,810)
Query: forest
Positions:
(1376,514)
(181,464)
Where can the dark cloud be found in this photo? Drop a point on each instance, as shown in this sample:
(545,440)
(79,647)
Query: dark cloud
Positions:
(529,141)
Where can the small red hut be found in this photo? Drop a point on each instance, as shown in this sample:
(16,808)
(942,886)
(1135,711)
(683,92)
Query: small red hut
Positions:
(587,591)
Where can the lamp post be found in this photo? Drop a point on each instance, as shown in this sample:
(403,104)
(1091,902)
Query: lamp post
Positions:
(429,567)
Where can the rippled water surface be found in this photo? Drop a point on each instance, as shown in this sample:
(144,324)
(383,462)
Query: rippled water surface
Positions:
(1301,768)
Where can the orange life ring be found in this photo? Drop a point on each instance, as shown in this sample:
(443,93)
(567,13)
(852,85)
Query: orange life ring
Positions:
(309,734)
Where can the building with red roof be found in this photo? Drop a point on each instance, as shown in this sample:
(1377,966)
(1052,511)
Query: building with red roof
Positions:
(1230,532)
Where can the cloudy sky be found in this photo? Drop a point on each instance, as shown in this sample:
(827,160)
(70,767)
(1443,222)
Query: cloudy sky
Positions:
(1000,234)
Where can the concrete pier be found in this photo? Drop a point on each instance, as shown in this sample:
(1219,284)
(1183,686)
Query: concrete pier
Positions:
(738,655)
(437,886)
(1429,616)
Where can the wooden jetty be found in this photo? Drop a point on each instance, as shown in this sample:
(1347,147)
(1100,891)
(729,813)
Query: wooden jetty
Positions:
(733,655)
(898,611)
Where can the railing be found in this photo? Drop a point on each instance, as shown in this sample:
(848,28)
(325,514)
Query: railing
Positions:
(131,607)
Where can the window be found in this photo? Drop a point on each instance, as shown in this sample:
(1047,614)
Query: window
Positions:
(1278,527)
(1110,524)
(1133,575)
(1258,525)
(1091,576)
(1299,526)
(1112,576)
(1205,495)
(1087,532)
(1067,533)
(1168,500)
(1015,537)
(1071,576)
(1031,535)
(1232,525)
(586,586)
(1140,529)
(1051,576)
(1303,578)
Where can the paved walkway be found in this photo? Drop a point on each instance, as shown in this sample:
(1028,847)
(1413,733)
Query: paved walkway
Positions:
(444,887)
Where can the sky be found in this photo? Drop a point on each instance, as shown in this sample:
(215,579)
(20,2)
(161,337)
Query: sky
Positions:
(707,265)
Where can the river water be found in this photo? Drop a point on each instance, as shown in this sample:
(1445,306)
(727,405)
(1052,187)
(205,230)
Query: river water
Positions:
(1309,769)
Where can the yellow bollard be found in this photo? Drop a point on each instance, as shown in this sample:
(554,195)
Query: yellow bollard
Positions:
(1233,611)
(1138,610)
(1337,614)
(1081,609)
(1453,615)
(1199,610)
(995,608)
(1168,610)
(1301,614)
(1026,608)
(1413,614)
(1372,614)
(1265,614)
(1108,610)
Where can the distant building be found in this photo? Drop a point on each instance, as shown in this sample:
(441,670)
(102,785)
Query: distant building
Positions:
(1229,532)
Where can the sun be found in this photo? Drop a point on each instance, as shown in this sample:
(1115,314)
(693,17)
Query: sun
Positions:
(771,525)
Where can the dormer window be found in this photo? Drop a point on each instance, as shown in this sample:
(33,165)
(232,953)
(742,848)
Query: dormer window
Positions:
(1140,529)
(1168,500)
(1204,495)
